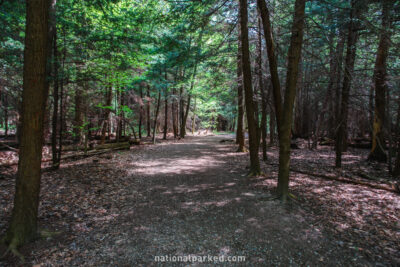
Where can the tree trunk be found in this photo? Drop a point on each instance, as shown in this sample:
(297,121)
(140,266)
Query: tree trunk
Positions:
(349,67)
(165,115)
(272,60)
(339,57)
(165,110)
(156,116)
(185,116)
(148,111)
(56,161)
(23,225)
(294,55)
(263,126)
(194,115)
(60,134)
(396,169)
(271,126)
(247,84)
(106,119)
(239,132)
(79,115)
(174,120)
(378,143)
(141,111)
(6,115)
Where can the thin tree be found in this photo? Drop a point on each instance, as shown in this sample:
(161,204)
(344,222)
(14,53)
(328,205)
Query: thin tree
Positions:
(284,117)
(156,116)
(352,37)
(23,224)
(240,114)
(247,84)
(377,152)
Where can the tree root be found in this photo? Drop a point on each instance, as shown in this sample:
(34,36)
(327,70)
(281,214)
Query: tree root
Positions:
(244,149)
(12,248)
(48,234)
(255,174)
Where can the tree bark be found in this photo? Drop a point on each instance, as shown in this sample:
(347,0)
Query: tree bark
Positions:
(174,119)
(239,132)
(339,57)
(148,111)
(378,142)
(23,225)
(272,59)
(348,72)
(156,116)
(79,115)
(294,55)
(263,125)
(54,132)
(185,116)
(247,84)
(106,119)
(141,111)
(165,114)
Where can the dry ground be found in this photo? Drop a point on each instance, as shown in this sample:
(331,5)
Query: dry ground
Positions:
(192,198)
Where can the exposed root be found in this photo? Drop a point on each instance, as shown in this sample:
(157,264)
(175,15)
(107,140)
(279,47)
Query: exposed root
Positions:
(47,234)
(255,174)
(243,149)
(12,248)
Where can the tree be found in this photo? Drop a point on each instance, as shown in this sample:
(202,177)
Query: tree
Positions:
(352,37)
(284,116)
(380,85)
(23,224)
(290,94)
(240,113)
(248,90)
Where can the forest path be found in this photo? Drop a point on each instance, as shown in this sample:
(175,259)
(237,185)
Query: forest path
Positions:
(178,198)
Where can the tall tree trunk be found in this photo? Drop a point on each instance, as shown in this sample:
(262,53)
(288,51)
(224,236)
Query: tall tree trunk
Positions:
(181,110)
(165,115)
(56,161)
(339,62)
(156,116)
(263,126)
(348,72)
(60,134)
(271,126)
(272,60)
(294,55)
(79,114)
(378,143)
(23,225)
(247,84)
(174,119)
(141,111)
(194,115)
(185,116)
(106,119)
(148,121)
(396,169)
(239,132)
(6,115)
(165,110)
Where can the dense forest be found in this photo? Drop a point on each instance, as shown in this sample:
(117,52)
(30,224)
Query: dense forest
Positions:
(247,130)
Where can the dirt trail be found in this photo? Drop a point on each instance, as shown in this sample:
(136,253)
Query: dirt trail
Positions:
(176,198)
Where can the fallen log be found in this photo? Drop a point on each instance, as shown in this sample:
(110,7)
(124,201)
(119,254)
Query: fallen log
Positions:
(9,147)
(97,151)
(124,145)
(392,187)
(395,187)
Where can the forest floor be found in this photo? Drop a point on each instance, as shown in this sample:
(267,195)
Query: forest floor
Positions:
(192,197)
